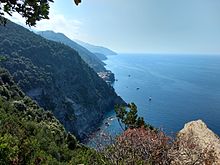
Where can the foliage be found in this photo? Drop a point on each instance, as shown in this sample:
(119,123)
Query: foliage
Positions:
(128,116)
(143,146)
(30,135)
(86,55)
(88,157)
(54,75)
(77,1)
(2,58)
(31,10)
(139,146)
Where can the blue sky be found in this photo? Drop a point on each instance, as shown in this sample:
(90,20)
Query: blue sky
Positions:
(141,26)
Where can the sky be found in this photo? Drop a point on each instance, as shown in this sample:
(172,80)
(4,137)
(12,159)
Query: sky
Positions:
(141,26)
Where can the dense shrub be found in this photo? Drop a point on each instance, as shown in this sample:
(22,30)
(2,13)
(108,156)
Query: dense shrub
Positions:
(30,135)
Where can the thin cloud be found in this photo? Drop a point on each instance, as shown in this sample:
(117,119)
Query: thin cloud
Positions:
(16,18)
(57,23)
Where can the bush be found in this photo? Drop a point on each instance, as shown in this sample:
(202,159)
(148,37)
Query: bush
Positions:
(139,146)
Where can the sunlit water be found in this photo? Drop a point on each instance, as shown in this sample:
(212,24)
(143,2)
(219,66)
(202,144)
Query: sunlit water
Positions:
(182,87)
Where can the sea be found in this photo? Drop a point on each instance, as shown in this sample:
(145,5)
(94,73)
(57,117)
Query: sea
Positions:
(182,88)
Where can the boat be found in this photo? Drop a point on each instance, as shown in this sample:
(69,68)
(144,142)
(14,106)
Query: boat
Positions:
(150,98)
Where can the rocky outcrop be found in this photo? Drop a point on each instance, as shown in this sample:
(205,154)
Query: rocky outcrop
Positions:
(197,143)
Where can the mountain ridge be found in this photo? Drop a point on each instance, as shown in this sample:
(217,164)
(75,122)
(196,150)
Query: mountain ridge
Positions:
(56,77)
(85,54)
(97,49)
(94,60)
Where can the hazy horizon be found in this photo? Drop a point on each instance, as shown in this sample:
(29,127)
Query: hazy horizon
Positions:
(149,26)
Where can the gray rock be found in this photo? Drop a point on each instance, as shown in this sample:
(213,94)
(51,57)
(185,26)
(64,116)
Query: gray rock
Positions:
(196,141)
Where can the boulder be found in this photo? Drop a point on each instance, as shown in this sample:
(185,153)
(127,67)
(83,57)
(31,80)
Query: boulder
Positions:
(197,144)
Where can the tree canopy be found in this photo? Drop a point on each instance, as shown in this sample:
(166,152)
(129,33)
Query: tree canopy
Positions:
(129,117)
(31,10)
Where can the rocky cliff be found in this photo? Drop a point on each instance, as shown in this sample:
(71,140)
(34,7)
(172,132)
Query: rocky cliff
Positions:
(197,142)
(56,77)
(31,135)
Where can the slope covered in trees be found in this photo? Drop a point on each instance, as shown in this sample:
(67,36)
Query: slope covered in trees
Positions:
(30,135)
(57,78)
(90,58)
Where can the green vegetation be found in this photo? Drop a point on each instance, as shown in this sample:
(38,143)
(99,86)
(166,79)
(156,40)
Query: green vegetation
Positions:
(56,77)
(141,144)
(2,58)
(32,11)
(91,59)
(128,117)
(30,135)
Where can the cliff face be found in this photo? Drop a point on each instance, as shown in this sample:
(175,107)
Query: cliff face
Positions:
(201,139)
(31,135)
(57,78)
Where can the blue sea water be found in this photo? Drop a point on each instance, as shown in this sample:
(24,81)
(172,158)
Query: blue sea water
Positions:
(183,88)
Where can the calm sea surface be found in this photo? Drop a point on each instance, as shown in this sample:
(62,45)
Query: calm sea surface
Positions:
(183,88)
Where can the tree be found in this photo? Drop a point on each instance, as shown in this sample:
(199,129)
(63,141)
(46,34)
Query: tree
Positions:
(120,114)
(31,10)
(131,117)
(128,116)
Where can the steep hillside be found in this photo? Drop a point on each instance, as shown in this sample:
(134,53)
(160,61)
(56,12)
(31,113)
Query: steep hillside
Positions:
(86,55)
(92,59)
(30,135)
(101,56)
(97,49)
(57,78)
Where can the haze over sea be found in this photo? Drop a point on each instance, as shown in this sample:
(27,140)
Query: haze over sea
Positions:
(183,88)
